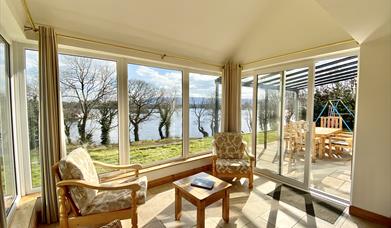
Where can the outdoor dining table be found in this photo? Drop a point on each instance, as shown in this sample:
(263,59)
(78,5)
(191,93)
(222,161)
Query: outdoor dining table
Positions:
(323,133)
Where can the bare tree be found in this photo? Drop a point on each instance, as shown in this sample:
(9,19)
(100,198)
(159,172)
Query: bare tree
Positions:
(108,111)
(200,111)
(213,106)
(249,119)
(166,109)
(70,117)
(144,100)
(86,82)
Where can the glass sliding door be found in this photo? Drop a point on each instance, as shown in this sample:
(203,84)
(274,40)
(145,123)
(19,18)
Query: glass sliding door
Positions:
(268,122)
(282,125)
(295,127)
(247,92)
(334,102)
(7,160)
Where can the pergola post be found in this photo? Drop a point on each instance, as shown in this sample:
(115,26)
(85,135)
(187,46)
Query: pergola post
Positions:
(296,105)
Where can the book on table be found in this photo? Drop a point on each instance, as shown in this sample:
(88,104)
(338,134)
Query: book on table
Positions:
(203,183)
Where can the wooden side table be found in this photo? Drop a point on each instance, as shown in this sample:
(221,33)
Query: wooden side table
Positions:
(200,197)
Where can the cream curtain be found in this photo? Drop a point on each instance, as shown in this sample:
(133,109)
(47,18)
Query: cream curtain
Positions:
(52,145)
(231,89)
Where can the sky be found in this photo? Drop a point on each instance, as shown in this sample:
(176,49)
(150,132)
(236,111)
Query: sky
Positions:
(200,85)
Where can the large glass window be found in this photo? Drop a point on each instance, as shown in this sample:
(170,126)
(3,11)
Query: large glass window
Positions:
(90,107)
(7,162)
(204,112)
(155,114)
(32,94)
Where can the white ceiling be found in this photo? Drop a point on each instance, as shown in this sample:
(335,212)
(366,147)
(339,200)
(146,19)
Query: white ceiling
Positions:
(213,31)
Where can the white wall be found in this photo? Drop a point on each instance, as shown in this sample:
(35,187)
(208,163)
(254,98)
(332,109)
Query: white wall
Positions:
(372,155)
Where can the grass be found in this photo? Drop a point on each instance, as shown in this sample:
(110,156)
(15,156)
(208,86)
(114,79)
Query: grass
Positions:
(144,152)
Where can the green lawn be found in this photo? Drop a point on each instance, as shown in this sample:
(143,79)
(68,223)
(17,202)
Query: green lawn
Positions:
(144,152)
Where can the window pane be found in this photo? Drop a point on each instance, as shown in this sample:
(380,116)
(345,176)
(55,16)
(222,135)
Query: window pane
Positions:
(205,111)
(268,114)
(7,162)
(294,123)
(247,109)
(32,93)
(89,99)
(155,114)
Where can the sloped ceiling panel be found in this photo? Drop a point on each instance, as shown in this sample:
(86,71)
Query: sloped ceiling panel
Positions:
(289,26)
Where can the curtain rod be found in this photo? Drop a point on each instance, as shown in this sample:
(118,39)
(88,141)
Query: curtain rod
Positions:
(161,55)
(301,51)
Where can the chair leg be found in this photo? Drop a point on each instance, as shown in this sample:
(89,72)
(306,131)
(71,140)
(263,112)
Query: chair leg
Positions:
(134,210)
(251,181)
(63,214)
(214,168)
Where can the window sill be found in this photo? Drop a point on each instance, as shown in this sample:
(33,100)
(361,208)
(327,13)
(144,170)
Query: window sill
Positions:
(118,175)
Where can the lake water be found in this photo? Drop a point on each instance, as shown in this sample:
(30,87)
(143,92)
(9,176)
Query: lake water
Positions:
(149,129)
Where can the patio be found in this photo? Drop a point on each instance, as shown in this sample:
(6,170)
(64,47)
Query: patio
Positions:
(331,175)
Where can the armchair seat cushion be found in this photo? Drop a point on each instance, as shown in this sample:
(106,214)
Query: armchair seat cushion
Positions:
(232,166)
(107,201)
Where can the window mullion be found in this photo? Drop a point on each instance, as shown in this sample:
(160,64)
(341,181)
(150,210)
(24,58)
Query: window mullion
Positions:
(185,113)
(123,110)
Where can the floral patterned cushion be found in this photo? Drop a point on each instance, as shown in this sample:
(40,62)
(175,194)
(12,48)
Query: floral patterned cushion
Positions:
(229,145)
(106,201)
(226,166)
(78,165)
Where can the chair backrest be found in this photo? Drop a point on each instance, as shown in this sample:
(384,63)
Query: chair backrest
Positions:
(78,165)
(229,145)
(331,122)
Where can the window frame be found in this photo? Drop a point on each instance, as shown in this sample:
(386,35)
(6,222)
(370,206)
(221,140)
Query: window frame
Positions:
(9,72)
(122,98)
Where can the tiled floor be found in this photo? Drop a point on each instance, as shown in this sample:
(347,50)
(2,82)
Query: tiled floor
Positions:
(247,209)
(330,174)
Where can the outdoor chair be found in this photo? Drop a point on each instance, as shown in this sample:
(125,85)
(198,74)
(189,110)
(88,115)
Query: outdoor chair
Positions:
(231,158)
(340,142)
(295,134)
(331,122)
(83,200)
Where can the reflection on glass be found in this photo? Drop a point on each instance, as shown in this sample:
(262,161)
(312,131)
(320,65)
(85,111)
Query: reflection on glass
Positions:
(155,114)
(294,123)
(247,110)
(268,122)
(89,100)
(7,163)
(204,112)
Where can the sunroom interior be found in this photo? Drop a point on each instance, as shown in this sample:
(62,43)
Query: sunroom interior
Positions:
(282,105)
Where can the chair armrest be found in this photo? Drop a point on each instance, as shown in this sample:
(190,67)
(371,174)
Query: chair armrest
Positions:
(251,156)
(84,184)
(111,166)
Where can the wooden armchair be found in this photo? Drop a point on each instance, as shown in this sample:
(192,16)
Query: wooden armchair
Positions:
(231,158)
(83,200)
